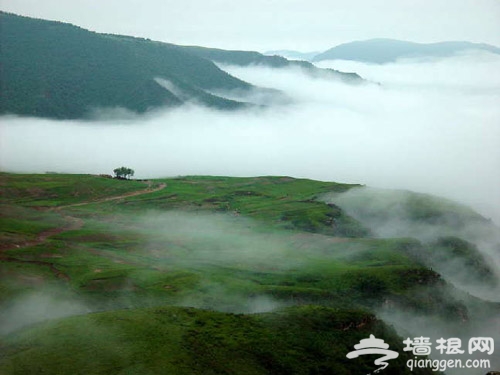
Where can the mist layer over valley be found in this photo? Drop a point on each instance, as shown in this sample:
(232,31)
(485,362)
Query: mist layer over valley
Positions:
(428,126)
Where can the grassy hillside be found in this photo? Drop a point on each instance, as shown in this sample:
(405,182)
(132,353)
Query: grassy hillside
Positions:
(189,341)
(277,281)
(53,69)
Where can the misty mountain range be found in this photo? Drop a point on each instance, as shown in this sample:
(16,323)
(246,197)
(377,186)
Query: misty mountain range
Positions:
(380,51)
(58,70)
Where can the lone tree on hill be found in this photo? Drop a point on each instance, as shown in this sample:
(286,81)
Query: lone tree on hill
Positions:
(123,172)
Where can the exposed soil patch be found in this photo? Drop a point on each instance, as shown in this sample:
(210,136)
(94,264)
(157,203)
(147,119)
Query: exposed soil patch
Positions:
(59,274)
(110,285)
(71,223)
(74,223)
(49,255)
(32,281)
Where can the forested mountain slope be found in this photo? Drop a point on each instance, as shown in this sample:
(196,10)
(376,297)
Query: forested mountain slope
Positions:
(53,69)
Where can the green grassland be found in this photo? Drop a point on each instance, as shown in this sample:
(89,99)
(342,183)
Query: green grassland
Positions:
(172,340)
(203,275)
(58,190)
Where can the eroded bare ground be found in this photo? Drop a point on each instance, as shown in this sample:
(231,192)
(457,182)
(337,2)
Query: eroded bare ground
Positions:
(58,273)
(71,223)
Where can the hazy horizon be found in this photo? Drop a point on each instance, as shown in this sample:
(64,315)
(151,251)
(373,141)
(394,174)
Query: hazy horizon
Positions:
(262,25)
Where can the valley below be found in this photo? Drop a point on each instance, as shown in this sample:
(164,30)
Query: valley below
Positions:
(217,274)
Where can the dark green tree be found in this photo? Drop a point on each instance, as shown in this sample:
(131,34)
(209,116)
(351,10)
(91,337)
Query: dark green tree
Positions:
(123,172)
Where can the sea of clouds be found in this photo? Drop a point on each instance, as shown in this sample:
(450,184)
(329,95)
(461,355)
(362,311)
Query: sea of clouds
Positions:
(431,126)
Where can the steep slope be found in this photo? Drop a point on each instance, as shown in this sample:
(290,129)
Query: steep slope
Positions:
(171,340)
(248,58)
(455,237)
(382,51)
(53,69)
(402,213)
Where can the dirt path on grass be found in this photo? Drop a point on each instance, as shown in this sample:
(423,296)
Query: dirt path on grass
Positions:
(72,223)
(149,190)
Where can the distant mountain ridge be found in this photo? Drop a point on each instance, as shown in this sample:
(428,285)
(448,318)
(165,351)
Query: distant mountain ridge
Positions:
(58,70)
(248,58)
(293,55)
(382,51)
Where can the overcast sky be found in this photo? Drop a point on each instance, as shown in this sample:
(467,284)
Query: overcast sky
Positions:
(276,24)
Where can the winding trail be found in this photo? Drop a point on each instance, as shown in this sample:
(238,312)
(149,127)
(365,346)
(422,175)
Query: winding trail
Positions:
(72,223)
(149,190)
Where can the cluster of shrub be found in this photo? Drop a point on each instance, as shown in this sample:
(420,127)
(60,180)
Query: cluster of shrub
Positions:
(123,172)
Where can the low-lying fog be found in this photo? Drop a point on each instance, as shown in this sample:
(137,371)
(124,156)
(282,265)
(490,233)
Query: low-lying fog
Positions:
(431,126)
